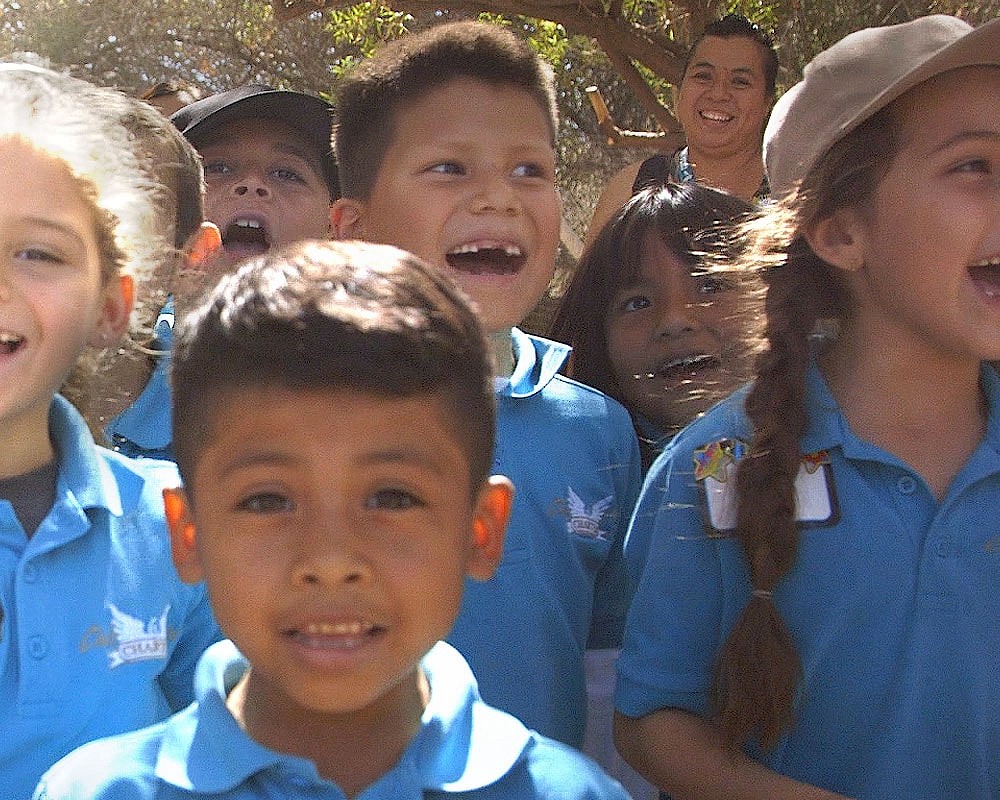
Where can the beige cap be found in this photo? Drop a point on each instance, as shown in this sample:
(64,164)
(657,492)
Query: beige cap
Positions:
(857,77)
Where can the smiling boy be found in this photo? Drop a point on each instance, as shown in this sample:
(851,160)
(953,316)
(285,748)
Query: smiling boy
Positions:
(446,148)
(334,548)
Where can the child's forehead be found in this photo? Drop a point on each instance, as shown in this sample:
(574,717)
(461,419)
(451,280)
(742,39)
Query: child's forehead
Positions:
(238,135)
(475,92)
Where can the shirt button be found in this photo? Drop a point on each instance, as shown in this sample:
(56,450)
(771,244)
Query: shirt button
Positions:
(30,574)
(38,648)
(906,485)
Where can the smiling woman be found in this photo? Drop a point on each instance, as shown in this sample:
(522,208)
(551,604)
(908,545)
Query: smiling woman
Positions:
(722,101)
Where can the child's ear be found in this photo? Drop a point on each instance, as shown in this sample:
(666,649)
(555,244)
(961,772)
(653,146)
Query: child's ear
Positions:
(116,308)
(183,546)
(347,218)
(202,244)
(489,523)
(839,239)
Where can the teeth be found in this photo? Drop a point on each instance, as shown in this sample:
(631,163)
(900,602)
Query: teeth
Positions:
(337,628)
(989,262)
(716,117)
(10,338)
(247,223)
(510,249)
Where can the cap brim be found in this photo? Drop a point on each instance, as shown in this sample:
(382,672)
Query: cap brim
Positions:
(979,47)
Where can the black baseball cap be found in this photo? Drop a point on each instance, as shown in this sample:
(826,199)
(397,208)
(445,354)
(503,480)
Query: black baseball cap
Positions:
(310,116)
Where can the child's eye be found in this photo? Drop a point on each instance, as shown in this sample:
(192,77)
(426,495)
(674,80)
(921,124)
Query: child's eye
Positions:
(977,165)
(393,500)
(217,168)
(711,284)
(742,83)
(635,303)
(38,254)
(702,75)
(447,168)
(529,170)
(286,174)
(266,503)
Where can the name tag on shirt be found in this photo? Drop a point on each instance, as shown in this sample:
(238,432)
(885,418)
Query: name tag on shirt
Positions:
(715,467)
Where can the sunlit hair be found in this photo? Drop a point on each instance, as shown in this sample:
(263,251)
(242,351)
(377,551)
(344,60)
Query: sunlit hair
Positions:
(61,117)
(52,114)
(336,316)
(695,223)
(372,95)
(758,669)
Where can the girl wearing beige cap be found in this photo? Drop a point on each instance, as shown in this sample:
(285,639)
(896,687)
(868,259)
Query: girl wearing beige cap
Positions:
(818,613)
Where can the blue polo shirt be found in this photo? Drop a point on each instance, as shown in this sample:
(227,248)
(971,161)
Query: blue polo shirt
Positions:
(143,430)
(464,749)
(99,635)
(572,454)
(893,604)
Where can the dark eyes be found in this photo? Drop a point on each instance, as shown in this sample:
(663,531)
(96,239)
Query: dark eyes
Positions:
(711,284)
(977,165)
(38,254)
(266,503)
(635,303)
(217,168)
(393,500)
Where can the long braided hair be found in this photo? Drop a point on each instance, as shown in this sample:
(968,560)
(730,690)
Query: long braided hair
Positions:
(758,668)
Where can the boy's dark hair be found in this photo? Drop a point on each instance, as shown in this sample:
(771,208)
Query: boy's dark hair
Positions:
(694,221)
(403,71)
(334,315)
(736,25)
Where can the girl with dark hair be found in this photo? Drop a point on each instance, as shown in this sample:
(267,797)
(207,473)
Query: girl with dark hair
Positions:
(817,613)
(654,317)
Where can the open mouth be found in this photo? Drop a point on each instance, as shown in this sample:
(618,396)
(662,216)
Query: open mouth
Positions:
(986,276)
(686,366)
(10,343)
(335,635)
(488,259)
(246,237)
(715,116)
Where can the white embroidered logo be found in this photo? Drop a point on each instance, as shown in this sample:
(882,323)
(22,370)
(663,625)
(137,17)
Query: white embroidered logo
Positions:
(136,640)
(584,521)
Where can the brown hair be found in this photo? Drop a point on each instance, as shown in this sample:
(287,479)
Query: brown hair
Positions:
(373,94)
(334,315)
(758,668)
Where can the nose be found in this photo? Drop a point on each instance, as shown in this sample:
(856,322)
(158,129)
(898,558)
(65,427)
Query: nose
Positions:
(328,554)
(679,316)
(251,183)
(720,88)
(494,194)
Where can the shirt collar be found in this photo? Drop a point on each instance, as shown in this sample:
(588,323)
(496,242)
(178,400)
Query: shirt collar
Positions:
(462,743)
(536,362)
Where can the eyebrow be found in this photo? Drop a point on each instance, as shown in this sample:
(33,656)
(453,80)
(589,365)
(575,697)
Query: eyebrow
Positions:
(55,225)
(697,64)
(966,136)
(264,458)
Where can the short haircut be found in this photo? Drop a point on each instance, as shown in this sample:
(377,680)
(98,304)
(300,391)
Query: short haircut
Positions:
(736,25)
(182,91)
(374,93)
(341,316)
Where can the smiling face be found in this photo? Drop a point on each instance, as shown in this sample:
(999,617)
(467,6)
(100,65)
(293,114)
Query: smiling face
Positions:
(53,300)
(264,188)
(672,338)
(335,546)
(468,184)
(926,256)
(723,101)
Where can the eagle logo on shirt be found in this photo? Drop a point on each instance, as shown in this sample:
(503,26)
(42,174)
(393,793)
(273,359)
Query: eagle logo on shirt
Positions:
(137,640)
(586,520)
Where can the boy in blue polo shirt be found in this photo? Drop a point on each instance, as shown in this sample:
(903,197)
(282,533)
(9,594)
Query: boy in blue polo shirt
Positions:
(446,147)
(334,547)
